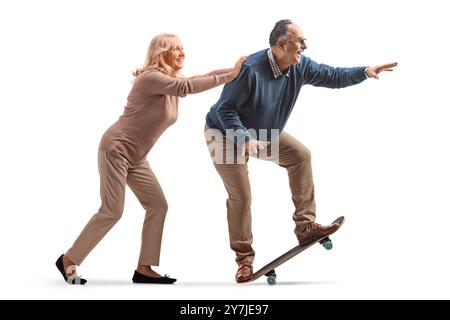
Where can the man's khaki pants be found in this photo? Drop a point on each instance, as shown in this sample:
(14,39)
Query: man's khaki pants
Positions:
(290,154)
(115,173)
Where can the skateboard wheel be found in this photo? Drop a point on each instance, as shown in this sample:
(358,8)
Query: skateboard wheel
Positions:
(272,280)
(327,244)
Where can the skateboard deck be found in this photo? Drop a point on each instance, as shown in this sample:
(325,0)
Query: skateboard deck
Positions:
(269,269)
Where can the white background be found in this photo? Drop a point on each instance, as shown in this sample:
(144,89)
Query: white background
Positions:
(380,149)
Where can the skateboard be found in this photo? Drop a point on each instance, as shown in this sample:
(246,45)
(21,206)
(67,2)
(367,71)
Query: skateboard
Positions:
(269,269)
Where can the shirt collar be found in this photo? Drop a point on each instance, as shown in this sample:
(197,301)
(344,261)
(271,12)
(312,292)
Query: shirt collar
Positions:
(274,66)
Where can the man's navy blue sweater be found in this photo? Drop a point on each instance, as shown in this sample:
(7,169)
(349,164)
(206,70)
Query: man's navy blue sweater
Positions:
(257,100)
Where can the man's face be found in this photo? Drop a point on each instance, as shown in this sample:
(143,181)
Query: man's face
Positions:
(294,44)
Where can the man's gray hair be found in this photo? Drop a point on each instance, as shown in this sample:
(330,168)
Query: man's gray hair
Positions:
(279,30)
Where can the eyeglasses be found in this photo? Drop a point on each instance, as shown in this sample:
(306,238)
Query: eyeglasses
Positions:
(300,40)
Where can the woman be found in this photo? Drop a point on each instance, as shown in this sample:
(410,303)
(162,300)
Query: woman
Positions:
(151,108)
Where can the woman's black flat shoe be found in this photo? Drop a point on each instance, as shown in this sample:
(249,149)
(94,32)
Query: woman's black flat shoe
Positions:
(141,278)
(69,280)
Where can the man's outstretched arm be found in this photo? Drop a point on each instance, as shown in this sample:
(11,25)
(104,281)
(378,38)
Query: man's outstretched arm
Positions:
(322,75)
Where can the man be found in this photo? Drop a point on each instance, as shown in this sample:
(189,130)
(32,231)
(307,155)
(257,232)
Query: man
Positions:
(254,108)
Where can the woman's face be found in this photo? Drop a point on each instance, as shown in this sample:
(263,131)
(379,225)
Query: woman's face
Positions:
(175,55)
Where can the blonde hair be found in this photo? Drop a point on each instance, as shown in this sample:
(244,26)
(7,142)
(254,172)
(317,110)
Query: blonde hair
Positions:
(155,59)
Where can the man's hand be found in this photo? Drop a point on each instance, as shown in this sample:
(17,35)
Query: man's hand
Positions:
(372,72)
(253,146)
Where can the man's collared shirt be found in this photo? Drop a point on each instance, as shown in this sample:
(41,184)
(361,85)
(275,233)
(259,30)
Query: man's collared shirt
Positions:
(274,66)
